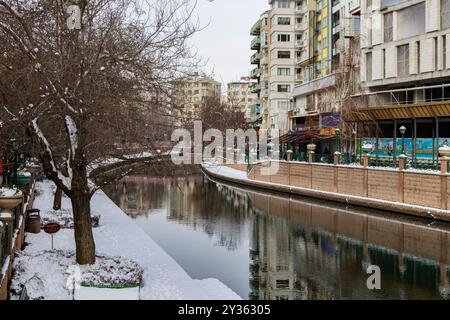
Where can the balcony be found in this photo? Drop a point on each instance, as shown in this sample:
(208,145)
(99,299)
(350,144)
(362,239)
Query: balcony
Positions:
(256,29)
(301,9)
(256,43)
(255,73)
(301,26)
(256,58)
(255,88)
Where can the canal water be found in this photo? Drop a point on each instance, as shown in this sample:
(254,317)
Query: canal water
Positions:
(270,246)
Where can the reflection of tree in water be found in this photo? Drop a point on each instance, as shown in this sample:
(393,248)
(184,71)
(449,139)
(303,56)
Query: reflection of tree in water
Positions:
(219,212)
(137,196)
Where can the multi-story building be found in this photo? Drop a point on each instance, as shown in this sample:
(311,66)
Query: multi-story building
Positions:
(276,37)
(190,92)
(330,33)
(240,96)
(405,73)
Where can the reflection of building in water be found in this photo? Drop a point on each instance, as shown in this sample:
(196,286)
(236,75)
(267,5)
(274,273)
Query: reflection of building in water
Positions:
(305,250)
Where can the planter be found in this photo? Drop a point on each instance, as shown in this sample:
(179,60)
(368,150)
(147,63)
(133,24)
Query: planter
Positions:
(444,151)
(8,203)
(21,180)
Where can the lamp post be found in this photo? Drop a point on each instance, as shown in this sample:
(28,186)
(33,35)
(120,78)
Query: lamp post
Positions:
(13,142)
(338,136)
(402,130)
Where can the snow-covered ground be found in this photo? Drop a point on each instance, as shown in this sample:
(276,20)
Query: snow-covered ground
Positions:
(118,235)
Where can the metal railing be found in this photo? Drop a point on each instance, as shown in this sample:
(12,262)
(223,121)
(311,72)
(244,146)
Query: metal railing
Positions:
(3,244)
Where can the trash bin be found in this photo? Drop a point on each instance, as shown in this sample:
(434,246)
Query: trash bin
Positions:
(34,221)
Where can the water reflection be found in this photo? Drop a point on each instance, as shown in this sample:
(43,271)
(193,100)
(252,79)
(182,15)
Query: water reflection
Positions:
(267,246)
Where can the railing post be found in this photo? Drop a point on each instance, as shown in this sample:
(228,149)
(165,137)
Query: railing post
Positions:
(289,155)
(336,162)
(444,175)
(366,159)
(401,182)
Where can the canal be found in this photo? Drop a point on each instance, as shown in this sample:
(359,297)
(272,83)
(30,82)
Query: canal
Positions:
(270,246)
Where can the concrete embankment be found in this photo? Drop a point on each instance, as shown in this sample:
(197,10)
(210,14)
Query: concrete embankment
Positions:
(239,177)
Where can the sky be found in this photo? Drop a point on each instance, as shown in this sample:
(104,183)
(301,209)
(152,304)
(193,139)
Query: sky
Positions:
(225,43)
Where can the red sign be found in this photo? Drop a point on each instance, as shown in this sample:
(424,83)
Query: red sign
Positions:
(52,228)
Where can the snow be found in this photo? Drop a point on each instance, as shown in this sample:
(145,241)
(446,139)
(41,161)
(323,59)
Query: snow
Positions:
(10,192)
(88,293)
(118,235)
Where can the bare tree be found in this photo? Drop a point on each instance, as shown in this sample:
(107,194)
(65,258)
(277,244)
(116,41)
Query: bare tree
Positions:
(86,91)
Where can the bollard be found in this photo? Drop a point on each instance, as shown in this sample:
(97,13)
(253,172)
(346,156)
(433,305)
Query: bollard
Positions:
(290,154)
(337,158)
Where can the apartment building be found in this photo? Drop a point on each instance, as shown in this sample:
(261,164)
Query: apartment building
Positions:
(240,96)
(405,74)
(276,35)
(190,92)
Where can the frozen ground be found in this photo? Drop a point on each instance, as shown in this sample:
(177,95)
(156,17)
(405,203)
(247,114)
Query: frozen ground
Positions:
(118,235)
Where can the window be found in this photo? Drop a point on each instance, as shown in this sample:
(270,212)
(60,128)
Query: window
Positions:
(445,14)
(284,88)
(411,21)
(369,66)
(403,60)
(284,37)
(388,27)
(283,105)
(284,3)
(284,54)
(284,71)
(286,21)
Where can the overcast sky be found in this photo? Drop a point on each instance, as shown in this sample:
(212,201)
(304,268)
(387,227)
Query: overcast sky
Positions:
(225,43)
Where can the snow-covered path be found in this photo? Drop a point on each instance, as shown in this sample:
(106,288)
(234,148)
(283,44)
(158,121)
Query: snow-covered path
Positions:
(119,235)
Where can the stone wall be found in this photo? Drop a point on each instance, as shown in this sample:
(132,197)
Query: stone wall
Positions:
(426,189)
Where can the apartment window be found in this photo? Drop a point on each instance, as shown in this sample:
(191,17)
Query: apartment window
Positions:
(286,21)
(369,66)
(445,14)
(284,88)
(284,54)
(284,3)
(388,27)
(403,60)
(284,71)
(444,52)
(283,105)
(418,56)
(284,37)
(411,21)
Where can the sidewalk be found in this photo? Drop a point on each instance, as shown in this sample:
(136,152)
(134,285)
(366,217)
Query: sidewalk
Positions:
(118,235)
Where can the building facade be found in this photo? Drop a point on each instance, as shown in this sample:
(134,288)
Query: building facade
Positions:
(190,92)
(241,97)
(405,74)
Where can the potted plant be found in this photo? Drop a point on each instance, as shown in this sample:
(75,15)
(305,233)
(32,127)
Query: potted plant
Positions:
(22,179)
(10,197)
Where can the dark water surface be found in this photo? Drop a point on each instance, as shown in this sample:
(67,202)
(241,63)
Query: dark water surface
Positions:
(268,246)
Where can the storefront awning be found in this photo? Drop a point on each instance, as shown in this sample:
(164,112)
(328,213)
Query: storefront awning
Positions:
(410,111)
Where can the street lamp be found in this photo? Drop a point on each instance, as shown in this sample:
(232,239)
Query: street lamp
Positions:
(13,143)
(402,131)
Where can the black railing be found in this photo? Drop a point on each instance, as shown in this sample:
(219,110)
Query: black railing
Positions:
(3,243)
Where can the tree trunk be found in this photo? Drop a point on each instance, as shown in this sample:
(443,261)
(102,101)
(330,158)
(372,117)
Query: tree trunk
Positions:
(84,239)
(57,199)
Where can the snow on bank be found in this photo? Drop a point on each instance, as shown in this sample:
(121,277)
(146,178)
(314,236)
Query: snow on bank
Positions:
(118,235)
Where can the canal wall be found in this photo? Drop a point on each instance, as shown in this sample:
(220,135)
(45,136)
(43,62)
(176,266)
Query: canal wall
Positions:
(418,193)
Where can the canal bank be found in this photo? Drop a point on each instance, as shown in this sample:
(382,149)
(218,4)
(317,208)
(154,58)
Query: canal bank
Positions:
(117,235)
(281,182)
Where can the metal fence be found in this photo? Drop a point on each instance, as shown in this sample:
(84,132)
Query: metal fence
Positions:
(3,243)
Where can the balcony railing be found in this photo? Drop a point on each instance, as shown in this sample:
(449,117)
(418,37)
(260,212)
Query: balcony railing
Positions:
(256,43)
(255,88)
(256,58)
(255,73)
